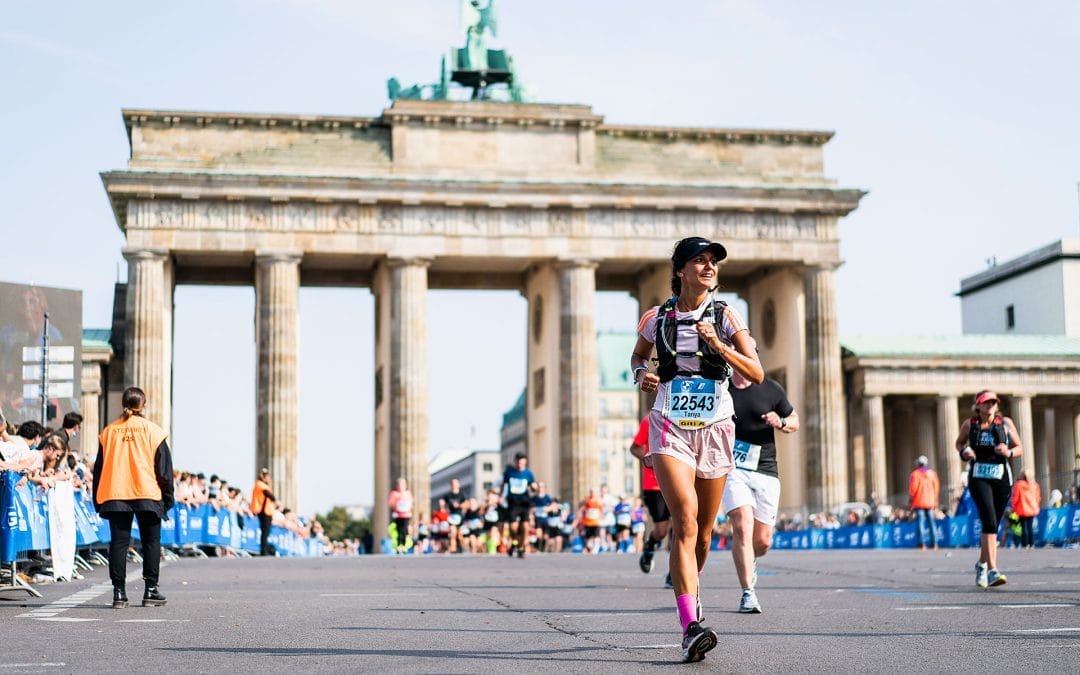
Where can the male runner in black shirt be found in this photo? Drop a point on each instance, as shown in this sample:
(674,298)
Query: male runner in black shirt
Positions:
(752,494)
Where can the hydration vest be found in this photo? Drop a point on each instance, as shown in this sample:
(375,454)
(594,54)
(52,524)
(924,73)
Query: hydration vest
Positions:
(713,366)
(997,428)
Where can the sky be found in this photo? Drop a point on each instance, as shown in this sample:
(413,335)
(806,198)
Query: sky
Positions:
(959,119)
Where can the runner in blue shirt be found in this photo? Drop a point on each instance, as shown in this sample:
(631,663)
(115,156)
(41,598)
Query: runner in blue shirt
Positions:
(517,481)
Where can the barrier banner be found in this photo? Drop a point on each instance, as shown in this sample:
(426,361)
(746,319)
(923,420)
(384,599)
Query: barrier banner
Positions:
(168,528)
(37,507)
(15,530)
(1059,524)
(960,531)
(85,529)
(196,517)
(249,540)
(217,527)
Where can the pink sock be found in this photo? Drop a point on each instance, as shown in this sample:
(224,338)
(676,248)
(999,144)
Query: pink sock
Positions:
(687,606)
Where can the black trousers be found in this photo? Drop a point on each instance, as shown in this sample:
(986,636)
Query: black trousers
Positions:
(264,534)
(402,529)
(150,534)
(1027,532)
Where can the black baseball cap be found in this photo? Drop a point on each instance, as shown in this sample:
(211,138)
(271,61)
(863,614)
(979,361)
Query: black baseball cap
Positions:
(691,247)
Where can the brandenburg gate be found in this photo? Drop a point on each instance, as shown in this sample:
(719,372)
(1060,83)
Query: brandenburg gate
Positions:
(546,199)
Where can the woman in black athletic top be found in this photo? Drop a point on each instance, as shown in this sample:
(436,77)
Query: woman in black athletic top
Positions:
(987,442)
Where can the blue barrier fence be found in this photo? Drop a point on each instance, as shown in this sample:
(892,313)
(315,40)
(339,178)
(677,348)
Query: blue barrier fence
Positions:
(25,525)
(1052,526)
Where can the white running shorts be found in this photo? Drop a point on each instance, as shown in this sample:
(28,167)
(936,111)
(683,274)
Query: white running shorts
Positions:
(758,490)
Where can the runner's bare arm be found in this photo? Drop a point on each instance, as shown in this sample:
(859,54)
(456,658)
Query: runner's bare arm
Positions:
(962,441)
(742,357)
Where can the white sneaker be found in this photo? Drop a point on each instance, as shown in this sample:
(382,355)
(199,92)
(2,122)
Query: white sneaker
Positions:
(995,578)
(749,603)
(980,575)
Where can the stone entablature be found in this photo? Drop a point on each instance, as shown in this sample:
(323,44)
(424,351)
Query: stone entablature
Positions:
(498,140)
(955,378)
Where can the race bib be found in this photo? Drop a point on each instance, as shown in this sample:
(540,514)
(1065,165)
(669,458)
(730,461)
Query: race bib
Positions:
(491,516)
(554,521)
(747,455)
(638,528)
(592,514)
(403,506)
(518,486)
(455,519)
(989,471)
(475,524)
(691,403)
(623,519)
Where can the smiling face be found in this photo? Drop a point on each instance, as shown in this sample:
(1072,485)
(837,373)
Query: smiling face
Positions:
(699,272)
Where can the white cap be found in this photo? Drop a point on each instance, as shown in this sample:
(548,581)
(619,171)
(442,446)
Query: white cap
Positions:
(921,460)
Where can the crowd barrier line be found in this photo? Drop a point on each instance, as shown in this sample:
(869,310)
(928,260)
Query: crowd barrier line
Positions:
(26,514)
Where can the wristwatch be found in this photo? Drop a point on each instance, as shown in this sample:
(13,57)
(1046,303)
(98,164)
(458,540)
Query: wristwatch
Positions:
(645,368)
(783,423)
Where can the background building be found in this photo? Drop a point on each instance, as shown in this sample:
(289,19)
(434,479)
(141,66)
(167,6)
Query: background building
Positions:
(476,470)
(1037,293)
(907,396)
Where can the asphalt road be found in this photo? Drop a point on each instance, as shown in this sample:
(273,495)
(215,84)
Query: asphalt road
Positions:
(824,611)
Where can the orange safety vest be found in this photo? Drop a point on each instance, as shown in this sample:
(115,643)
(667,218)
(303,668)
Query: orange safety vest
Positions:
(259,502)
(923,488)
(128,449)
(1025,498)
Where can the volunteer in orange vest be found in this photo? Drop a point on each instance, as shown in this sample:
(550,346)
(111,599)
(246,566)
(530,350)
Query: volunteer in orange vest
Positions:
(263,503)
(1025,500)
(133,480)
(923,489)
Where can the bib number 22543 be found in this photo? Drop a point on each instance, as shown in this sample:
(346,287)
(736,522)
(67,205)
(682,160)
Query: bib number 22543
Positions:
(691,403)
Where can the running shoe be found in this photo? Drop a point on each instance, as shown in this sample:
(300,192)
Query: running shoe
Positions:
(981,575)
(697,642)
(510,550)
(749,603)
(667,581)
(645,562)
(995,578)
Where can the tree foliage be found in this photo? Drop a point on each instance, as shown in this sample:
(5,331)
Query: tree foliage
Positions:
(339,525)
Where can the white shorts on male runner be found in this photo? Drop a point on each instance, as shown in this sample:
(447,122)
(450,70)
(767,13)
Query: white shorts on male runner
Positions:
(751,488)
(707,450)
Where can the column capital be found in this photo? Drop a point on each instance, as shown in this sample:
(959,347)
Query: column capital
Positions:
(821,267)
(271,256)
(576,263)
(136,254)
(408,261)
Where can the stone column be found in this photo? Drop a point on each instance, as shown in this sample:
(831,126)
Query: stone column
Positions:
(277,346)
(148,348)
(579,375)
(1042,460)
(948,460)
(1066,419)
(824,428)
(408,402)
(91,409)
(1076,439)
(654,288)
(874,407)
(1022,417)
(542,386)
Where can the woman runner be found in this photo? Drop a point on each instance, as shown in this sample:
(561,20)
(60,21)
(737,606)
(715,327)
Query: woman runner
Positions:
(698,341)
(987,442)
